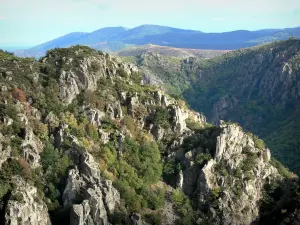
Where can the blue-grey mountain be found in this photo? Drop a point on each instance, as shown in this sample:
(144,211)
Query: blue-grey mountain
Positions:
(113,39)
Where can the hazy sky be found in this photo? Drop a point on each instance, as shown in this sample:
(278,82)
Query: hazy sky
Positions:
(31,22)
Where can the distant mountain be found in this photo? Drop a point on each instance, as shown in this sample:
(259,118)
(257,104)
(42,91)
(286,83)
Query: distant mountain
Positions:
(169,51)
(116,38)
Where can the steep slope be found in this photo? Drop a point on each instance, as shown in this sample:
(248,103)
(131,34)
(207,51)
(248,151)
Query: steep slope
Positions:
(257,87)
(164,36)
(85,141)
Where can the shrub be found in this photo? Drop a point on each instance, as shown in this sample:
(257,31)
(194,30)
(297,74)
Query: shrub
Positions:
(10,168)
(4,188)
(26,171)
(215,195)
(40,129)
(17,197)
(238,188)
(221,169)
(95,66)
(192,125)
(55,164)
(8,110)
(162,118)
(183,207)
(122,72)
(249,162)
(128,121)
(155,199)
(18,94)
(202,157)
(118,218)
(171,168)
(178,197)
(92,131)
(283,171)
(238,172)
(153,218)
(258,143)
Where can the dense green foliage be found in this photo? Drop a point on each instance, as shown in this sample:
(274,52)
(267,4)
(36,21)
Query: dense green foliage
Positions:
(281,200)
(55,166)
(239,80)
(136,169)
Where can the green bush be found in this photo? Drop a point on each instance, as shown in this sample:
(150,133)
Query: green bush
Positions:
(4,188)
(192,125)
(55,164)
(221,169)
(183,208)
(238,188)
(118,217)
(155,199)
(171,167)
(215,195)
(153,218)
(202,158)
(258,143)
(17,197)
(249,162)
(283,171)
(92,131)
(162,118)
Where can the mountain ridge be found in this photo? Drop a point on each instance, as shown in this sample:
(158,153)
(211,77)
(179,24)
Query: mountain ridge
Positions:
(165,36)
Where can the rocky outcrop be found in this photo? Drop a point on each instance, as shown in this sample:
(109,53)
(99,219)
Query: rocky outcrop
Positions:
(87,73)
(31,147)
(97,198)
(227,174)
(221,108)
(5,151)
(114,110)
(68,88)
(25,206)
(95,116)
(91,211)
(235,177)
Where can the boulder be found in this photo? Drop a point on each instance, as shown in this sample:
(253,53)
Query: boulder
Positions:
(237,196)
(25,206)
(84,184)
(31,148)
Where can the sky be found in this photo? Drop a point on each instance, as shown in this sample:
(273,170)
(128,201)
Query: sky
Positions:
(31,22)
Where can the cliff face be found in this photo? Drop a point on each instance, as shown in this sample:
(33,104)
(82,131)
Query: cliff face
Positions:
(85,141)
(227,175)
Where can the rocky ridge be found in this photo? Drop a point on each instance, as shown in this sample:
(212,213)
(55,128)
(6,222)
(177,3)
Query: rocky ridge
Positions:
(91,134)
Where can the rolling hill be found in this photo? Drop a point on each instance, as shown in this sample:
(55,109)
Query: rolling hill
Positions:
(169,51)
